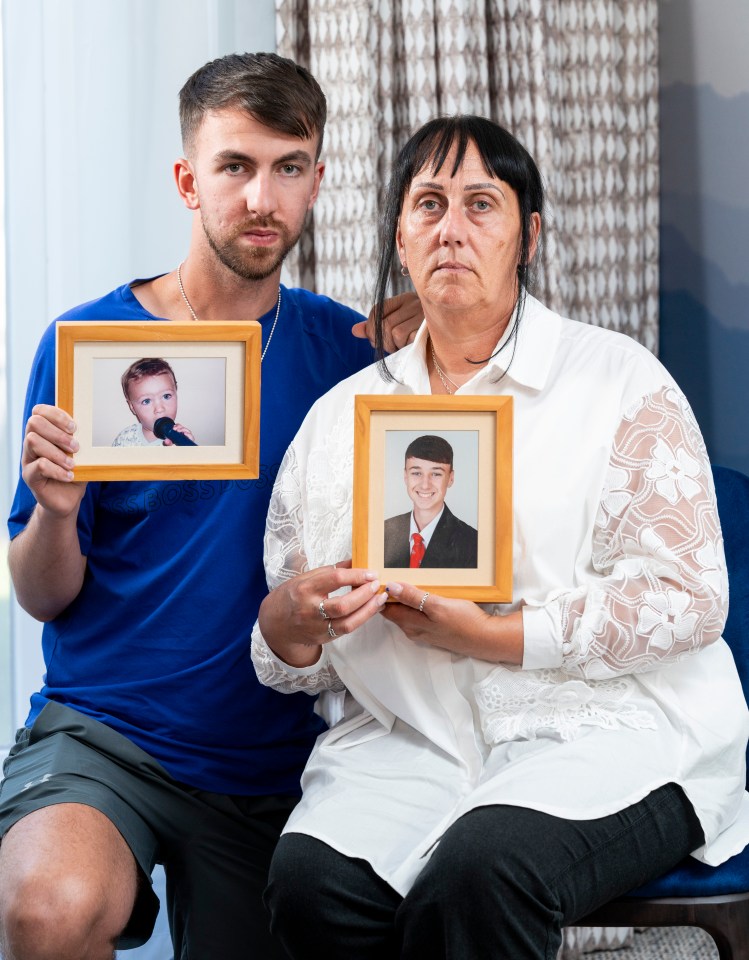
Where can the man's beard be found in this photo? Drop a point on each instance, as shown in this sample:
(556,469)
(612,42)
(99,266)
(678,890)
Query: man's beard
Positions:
(253,263)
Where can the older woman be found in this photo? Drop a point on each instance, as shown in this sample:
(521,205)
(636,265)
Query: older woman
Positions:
(499,771)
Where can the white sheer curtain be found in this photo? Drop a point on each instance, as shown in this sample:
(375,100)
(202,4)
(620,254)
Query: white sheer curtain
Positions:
(90,133)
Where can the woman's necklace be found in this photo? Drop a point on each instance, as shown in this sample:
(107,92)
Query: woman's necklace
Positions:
(441,373)
(195,316)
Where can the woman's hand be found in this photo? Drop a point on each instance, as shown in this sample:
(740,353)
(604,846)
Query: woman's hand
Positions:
(299,616)
(456,625)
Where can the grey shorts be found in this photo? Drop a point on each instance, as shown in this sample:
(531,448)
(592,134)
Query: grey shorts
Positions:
(215,848)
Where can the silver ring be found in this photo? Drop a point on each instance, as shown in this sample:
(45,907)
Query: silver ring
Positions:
(423,601)
(331,632)
(321,608)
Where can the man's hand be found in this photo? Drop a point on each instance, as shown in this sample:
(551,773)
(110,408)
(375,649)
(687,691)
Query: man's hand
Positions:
(45,559)
(403,317)
(299,616)
(47,460)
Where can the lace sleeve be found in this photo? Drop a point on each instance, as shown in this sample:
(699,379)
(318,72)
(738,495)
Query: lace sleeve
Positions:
(657,544)
(285,557)
(272,672)
(284,550)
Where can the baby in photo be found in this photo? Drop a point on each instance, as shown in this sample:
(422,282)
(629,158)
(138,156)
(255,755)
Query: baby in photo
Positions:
(150,389)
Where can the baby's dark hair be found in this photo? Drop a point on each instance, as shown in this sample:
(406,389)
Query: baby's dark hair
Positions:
(146,367)
(428,447)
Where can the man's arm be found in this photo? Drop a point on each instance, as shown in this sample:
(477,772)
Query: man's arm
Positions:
(45,559)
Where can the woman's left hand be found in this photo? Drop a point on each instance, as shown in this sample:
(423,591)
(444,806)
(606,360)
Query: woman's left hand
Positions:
(460,626)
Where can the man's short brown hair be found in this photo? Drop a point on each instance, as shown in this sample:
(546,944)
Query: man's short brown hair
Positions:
(274,90)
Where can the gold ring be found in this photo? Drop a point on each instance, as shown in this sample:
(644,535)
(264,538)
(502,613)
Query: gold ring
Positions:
(423,601)
(331,632)
(321,608)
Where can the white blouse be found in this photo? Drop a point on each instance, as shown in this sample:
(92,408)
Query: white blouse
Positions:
(619,571)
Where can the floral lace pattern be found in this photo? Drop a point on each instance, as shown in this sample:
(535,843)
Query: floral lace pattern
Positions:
(309,520)
(662,591)
(323,498)
(658,547)
(524,705)
(273,673)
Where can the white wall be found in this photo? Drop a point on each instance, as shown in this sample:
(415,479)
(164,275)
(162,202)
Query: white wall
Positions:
(91,132)
(90,135)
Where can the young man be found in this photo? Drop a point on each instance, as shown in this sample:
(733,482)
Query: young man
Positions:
(151,740)
(430,535)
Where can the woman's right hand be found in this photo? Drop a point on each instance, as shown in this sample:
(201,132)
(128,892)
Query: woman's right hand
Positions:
(298,617)
(47,460)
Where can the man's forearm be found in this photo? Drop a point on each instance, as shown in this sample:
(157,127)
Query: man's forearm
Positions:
(46,564)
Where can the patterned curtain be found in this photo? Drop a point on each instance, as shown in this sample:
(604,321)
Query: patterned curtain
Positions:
(575,80)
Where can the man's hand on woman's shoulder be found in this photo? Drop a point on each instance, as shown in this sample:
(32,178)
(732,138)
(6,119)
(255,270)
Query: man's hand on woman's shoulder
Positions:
(403,317)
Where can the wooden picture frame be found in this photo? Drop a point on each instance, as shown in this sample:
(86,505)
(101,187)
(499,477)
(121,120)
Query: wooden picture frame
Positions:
(216,370)
(479,431)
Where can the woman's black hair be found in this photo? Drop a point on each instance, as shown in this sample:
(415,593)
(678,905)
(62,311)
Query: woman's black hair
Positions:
(503,156)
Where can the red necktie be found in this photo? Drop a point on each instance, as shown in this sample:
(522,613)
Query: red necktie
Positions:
(417,550)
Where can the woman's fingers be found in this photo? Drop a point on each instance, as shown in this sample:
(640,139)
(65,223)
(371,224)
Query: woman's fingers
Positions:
(417,598)
(302,611)
(363,604)
(363,583)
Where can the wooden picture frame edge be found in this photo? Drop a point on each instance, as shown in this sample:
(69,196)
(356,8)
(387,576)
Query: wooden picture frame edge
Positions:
(70,332)
(502,406)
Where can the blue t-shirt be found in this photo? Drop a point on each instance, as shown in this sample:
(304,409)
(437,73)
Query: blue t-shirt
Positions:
(156,645)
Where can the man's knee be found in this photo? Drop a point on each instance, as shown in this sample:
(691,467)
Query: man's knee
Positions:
(67,885)
(48,915)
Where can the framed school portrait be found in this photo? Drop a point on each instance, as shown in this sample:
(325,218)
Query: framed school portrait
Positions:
(433,493)
(161,400)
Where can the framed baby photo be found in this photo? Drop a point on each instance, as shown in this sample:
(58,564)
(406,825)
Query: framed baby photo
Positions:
(160,400)
(433,493)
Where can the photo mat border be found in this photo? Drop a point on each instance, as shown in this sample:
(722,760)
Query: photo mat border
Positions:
(238,341)
(492,416)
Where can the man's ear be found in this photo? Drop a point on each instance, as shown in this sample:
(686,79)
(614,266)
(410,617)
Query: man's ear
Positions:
(451,481)
(319,174)
(187,183)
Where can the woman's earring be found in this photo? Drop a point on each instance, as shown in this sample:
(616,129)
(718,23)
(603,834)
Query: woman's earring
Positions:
(404,270)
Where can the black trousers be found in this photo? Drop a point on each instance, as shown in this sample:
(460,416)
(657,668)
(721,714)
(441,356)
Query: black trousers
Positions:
(500,885)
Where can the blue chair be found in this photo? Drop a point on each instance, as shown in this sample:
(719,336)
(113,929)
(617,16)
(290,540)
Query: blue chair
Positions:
(693,894)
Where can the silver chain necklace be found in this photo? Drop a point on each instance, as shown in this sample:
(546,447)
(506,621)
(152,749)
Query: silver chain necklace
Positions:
(275,319)
(440,372)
